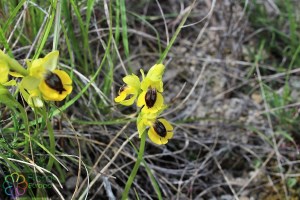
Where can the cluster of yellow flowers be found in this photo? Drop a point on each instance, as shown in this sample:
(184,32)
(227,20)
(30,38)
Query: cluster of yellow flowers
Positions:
(148,93)
(41,81)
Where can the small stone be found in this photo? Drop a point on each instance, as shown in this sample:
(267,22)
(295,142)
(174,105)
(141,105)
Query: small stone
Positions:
(71,182)
(256,97)
(295,82)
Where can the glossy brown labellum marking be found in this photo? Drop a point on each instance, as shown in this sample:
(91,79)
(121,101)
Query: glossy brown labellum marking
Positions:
(54,82)
(160,129)
(122,88)
(150,97)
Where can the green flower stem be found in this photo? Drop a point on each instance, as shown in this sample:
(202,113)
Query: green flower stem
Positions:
(136,167)
(13,64)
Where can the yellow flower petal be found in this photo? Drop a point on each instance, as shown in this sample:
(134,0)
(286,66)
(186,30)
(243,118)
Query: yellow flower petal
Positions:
(52,94)
(16,74)
(10,83)
(167,125)
(66,80)
(29,90)
(147,82)
(24,93)
(156,137)
(155,72)
(30,83)
(50,60)
(39,67)
(158,103)
(32,97)
(128,102)
(153,78)
(141,99)
(4,70)
(127,96)
(122,96)
(132,80)
(164,140)
(169,135)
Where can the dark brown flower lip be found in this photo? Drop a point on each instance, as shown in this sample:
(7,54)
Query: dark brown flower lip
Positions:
(160,129)
(54,82)
(150,97)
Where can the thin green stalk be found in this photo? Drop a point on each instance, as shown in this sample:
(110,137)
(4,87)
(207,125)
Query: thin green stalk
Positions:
(51,143)
(83,31)
(8,100)
(47,30)
(13,15)
(124,27)
(110,70)
(135,168)
(83,90)
(13,64)
(68,25)
(153,181)
(143,20)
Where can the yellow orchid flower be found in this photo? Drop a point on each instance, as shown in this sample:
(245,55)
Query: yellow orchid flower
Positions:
(151,99)
(160,130)
(129,92)
(54,84)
